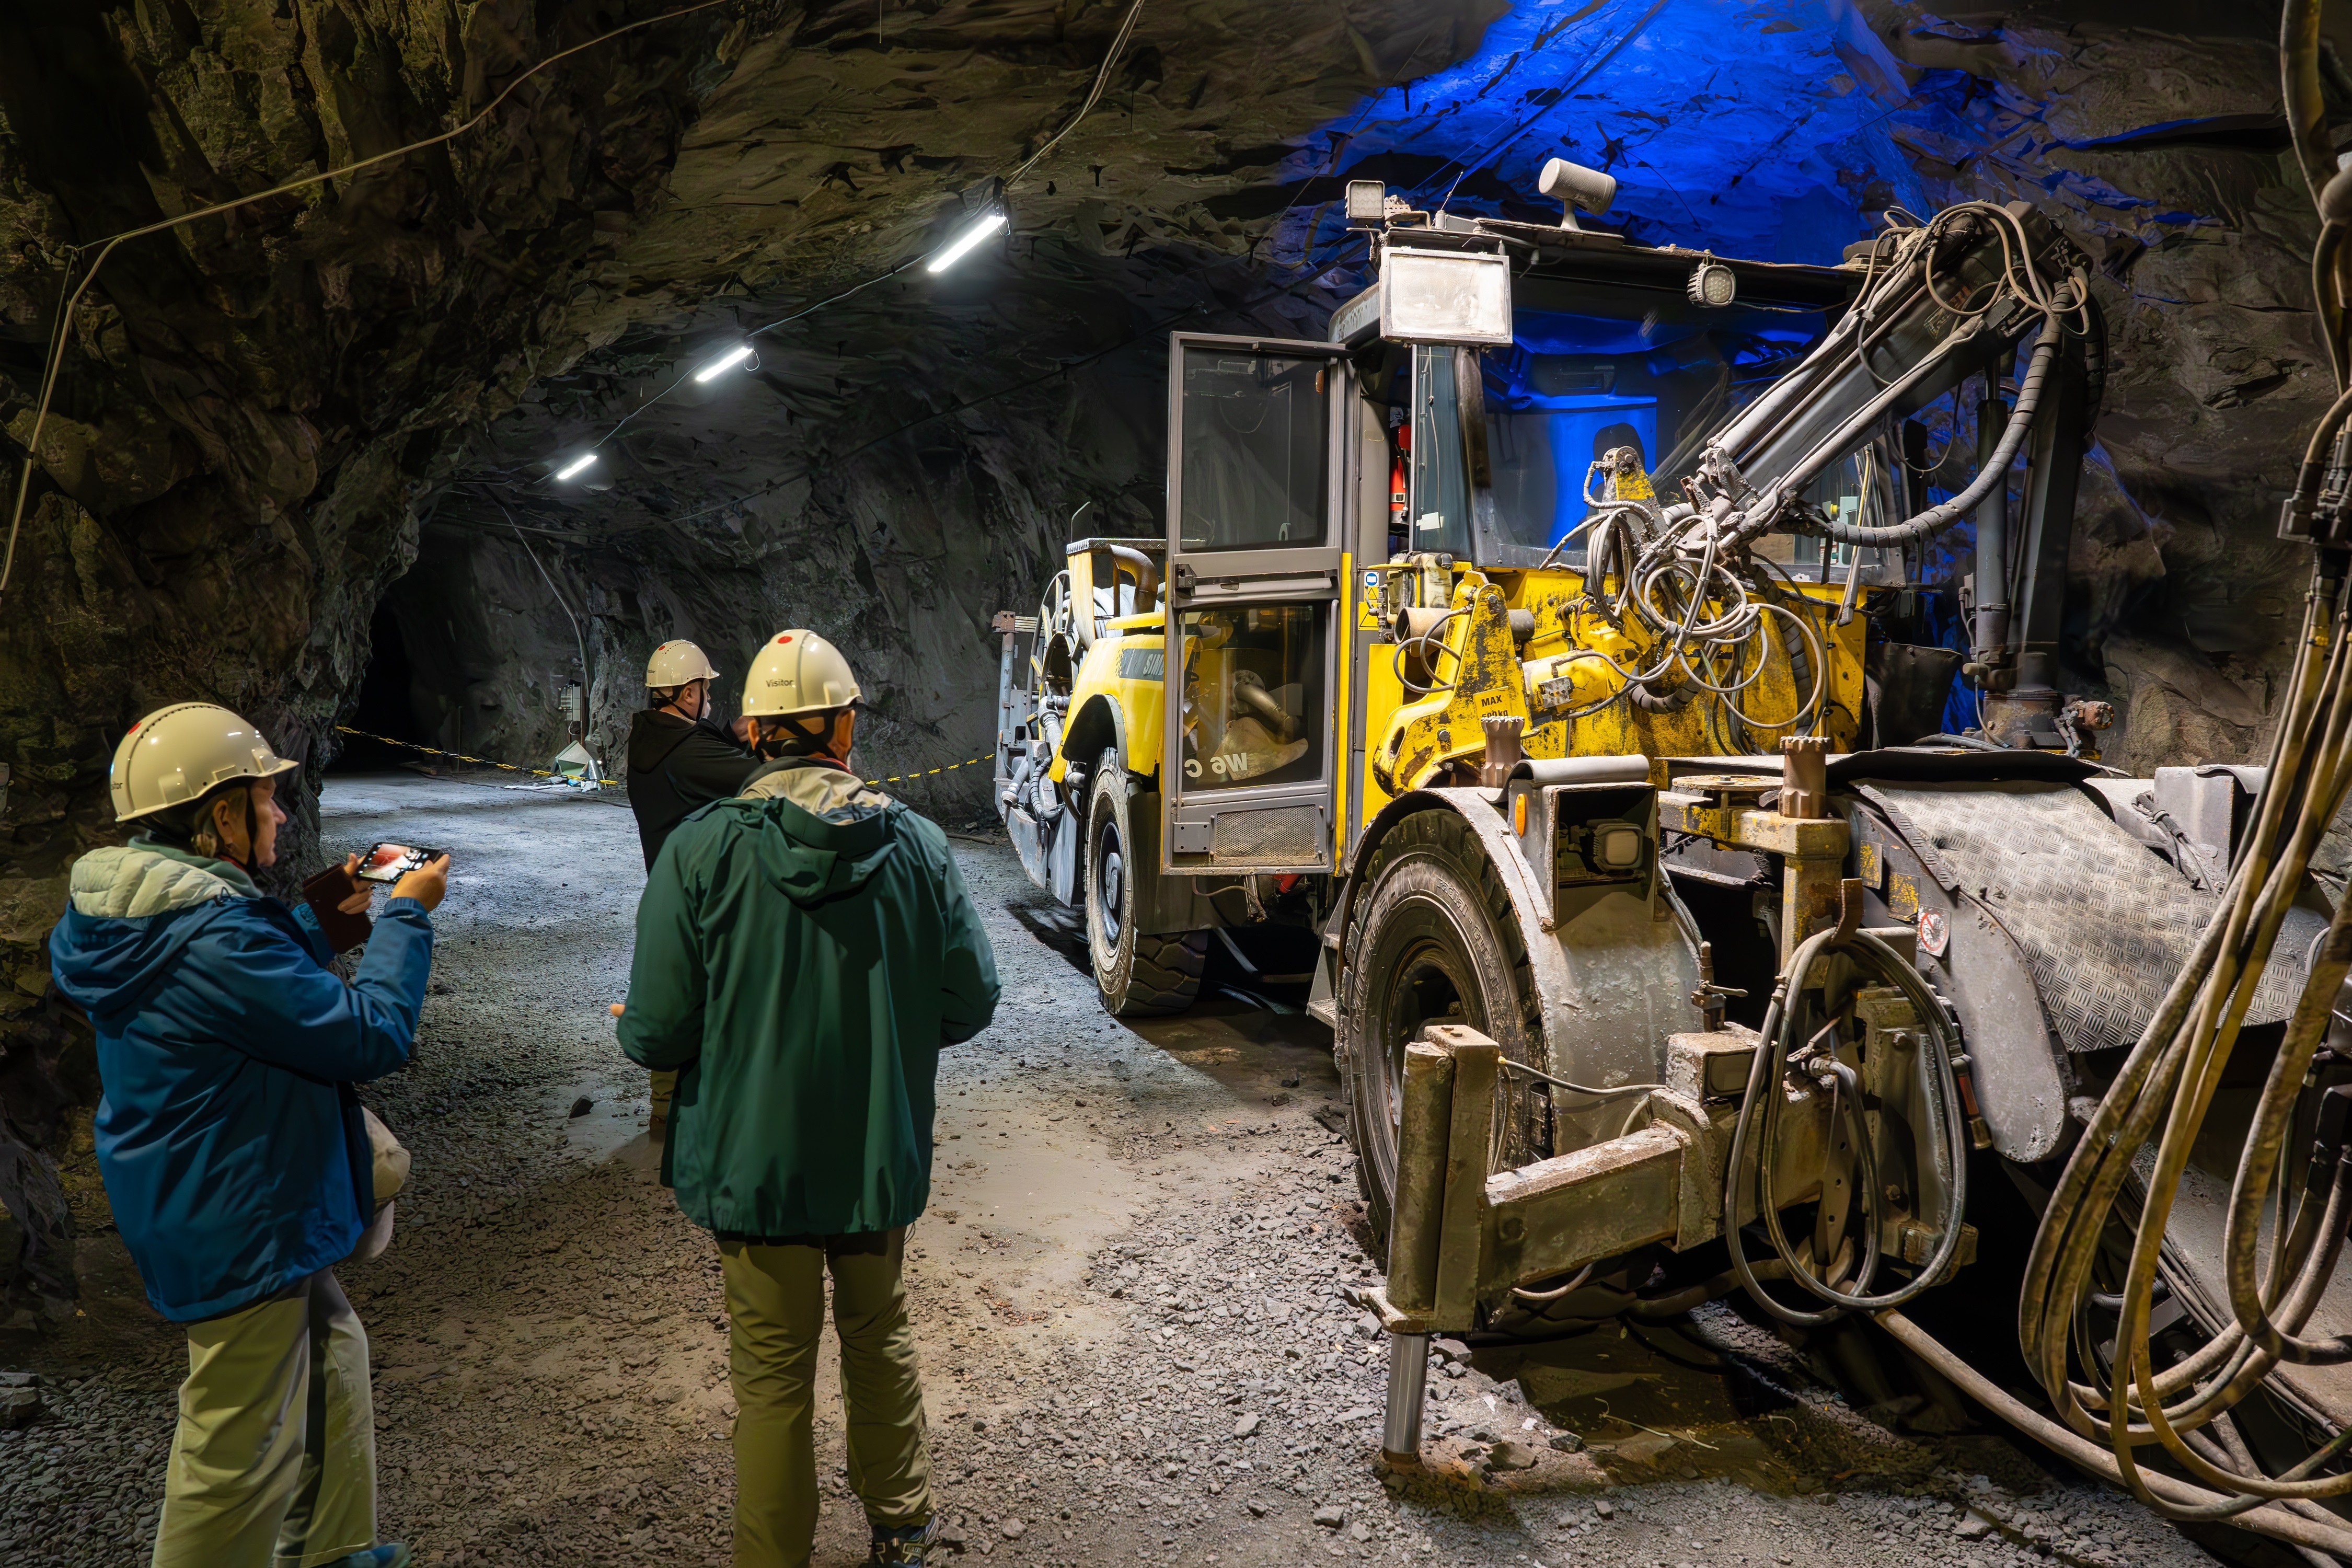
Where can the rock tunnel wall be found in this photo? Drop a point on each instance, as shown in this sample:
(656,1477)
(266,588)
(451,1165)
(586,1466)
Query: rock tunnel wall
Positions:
(271,421)
(901,555)
(252,405)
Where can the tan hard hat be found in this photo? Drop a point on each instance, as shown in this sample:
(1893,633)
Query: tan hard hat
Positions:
(175,754)
(675,663)
(797,672)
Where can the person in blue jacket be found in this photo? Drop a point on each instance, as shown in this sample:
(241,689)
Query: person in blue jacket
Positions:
(233,1150)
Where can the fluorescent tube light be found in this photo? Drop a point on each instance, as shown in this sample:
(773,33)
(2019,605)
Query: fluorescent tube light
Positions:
(575,466)
(724,363)
(972,237)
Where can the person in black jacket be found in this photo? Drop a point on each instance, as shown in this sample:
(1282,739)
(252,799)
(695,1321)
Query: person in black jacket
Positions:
(679,761)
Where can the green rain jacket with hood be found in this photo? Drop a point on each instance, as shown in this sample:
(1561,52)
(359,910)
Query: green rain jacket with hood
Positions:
(804,952)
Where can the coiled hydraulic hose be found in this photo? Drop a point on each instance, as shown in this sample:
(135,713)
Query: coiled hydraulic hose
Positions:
(1758,1123)
(2169,1081)
(1697,610)
(2172,1074)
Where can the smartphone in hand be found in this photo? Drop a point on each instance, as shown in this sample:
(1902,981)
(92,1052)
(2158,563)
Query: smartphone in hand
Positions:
(391,862)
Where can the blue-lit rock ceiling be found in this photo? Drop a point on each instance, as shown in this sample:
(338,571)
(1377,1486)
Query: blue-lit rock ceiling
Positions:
(1781,132)
(1763,131)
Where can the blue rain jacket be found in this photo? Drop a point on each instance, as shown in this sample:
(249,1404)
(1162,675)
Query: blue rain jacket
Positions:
(229,1136)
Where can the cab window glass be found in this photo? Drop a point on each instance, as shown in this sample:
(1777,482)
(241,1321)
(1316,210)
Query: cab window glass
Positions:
(1253,710)
(1572,389)
(1440,509)
(1255,451)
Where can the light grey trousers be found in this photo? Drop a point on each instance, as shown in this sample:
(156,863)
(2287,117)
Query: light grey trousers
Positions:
(274,1461)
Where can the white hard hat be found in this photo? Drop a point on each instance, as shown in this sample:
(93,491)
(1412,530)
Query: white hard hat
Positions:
(797,672)
(175,754)
(675,663)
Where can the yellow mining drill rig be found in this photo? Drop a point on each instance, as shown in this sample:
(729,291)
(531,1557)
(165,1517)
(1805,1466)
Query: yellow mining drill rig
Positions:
(1525,647)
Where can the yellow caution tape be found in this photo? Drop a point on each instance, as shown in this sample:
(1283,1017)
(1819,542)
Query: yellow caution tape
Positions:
(551,773)
(926,773)
(461,757)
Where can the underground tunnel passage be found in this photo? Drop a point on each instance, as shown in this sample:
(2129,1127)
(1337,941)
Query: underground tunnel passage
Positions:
(1472,782)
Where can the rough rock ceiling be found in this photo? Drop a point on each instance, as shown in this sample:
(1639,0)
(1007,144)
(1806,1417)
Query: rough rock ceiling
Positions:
(901,464)
(956,423)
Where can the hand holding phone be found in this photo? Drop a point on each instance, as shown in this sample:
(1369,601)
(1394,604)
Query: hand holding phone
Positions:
(391,862)
(428,884)
(341,901)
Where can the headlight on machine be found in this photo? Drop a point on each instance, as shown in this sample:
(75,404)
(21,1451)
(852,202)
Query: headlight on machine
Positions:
(1617,846)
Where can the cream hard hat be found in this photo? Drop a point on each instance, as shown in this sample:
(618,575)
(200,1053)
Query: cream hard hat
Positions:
(675,663)
(175,754)
(796,672)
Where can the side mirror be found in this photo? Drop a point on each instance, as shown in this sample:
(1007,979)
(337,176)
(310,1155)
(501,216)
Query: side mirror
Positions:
(1573,185)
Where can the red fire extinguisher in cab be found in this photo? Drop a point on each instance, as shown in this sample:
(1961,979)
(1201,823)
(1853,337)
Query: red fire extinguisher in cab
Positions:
(1397,521)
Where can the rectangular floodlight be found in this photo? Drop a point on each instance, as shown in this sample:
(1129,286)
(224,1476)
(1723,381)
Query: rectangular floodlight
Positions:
(1446,297)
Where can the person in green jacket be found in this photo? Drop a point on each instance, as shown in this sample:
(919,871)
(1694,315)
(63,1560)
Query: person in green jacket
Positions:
(805,950)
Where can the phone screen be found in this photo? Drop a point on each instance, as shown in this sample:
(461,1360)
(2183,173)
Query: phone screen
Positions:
(391,862)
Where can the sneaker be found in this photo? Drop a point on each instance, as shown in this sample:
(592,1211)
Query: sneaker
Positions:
(384,1555)
(905,1547)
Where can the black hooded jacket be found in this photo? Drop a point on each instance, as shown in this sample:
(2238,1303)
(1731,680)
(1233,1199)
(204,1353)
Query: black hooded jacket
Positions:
(677,766)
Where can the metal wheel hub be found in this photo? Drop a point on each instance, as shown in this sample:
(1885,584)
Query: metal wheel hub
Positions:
(1110,876)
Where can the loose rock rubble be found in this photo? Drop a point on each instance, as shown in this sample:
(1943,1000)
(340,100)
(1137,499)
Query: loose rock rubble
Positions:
(1134,1296)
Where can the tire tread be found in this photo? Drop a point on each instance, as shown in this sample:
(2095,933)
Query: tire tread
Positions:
(1443,835)
(1164,970)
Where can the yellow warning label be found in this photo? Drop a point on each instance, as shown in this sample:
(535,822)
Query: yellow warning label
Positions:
(1634,485)
(1872,868)
(1902,897)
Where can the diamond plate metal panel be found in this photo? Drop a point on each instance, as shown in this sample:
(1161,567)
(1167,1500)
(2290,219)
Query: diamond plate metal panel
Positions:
(2105,923)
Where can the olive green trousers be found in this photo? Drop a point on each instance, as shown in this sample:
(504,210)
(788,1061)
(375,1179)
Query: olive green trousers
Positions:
(273,1460)
(775,1310)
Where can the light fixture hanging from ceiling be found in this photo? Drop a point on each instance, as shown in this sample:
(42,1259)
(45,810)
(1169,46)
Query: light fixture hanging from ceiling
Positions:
(957,250)
(990,222)
(724,363)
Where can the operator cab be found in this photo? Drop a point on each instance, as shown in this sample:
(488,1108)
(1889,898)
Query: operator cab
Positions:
(1464,409)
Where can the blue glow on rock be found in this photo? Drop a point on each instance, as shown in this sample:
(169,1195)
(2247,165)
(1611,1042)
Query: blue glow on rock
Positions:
(1757,131)
(1778,131)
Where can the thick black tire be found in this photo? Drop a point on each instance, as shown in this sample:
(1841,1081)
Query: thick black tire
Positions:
(1137,975)
(1432,940)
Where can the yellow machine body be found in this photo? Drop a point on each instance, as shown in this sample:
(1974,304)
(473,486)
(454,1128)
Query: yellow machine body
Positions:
(1477,670)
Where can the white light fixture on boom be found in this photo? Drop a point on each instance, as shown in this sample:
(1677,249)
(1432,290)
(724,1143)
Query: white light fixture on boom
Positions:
(724,363)
(575,466)
(970,236)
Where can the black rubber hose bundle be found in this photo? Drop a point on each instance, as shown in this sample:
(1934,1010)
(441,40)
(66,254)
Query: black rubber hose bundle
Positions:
(1758,1124)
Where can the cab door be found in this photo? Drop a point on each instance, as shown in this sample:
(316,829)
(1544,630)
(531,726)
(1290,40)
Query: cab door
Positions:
(1257,496)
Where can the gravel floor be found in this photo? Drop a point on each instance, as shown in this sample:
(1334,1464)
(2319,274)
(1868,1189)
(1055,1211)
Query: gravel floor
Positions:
(1132,1295)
